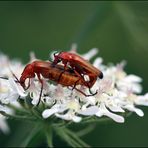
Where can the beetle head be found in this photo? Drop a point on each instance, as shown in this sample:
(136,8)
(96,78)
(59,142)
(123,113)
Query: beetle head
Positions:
(57,58)
(27,73)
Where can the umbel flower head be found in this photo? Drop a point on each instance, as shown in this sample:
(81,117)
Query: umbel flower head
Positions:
(118,93)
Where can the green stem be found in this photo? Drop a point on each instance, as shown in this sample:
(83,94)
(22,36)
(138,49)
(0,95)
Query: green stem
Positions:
(128,114)
(36,113)
(95,119)
(70,137)
(49,136)
(76,138)
(35,130)
(66,138)
(18,110)
(86,130)
(18,117)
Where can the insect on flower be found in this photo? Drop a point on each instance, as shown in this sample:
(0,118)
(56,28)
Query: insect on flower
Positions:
(80,66)
(48,71)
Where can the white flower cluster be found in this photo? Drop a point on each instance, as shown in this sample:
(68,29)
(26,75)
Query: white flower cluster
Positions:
(117,92)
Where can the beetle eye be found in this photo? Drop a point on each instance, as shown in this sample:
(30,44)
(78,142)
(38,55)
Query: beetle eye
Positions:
(59,60)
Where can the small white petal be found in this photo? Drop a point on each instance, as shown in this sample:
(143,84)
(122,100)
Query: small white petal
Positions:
(73,48)
(3,125)
(5,100)
(89,100)
(115,117)
(35,98)
(136,88)
(97,62)
(89,111)
(90,54)
(32,57)
(6,109)
(76,119)
(16,104)
(48,112)
(104,111)
(55,109)
(69,116)
(126,86)
(142,100)
(132,108)
(133,78)
(13,97)
(116,109)
(139,112)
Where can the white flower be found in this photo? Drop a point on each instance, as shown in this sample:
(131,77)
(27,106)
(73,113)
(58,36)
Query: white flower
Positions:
(55,109)
(10,91)
(3,125)
(70,115)
(117,92)
(141,100)
(133,84)
(70,106)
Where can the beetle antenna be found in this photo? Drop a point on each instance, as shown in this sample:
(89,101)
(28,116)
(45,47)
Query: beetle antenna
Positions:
(17,80)
(52,55)
(4,78)
(55,53)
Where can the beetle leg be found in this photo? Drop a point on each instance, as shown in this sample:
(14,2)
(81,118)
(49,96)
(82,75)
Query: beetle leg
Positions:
(84,93)
(41,81)
(75,84)
(65,65)
(92,92)
(60,75)
(86,83)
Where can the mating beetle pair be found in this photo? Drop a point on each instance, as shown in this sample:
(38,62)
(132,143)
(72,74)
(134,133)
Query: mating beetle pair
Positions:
(72,73)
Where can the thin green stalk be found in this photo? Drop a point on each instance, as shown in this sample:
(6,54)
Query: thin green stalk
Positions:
(18,117)
(86,130)
(70,137)
(76,138)
(95,119)
(36,113)
(35,130)
(49,136)
(18,110)
(63,135)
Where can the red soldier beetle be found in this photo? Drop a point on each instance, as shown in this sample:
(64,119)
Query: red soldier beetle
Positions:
(48,71)
(80,66)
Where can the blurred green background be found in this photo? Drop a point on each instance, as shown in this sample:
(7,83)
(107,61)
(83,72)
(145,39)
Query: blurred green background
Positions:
(118,29)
